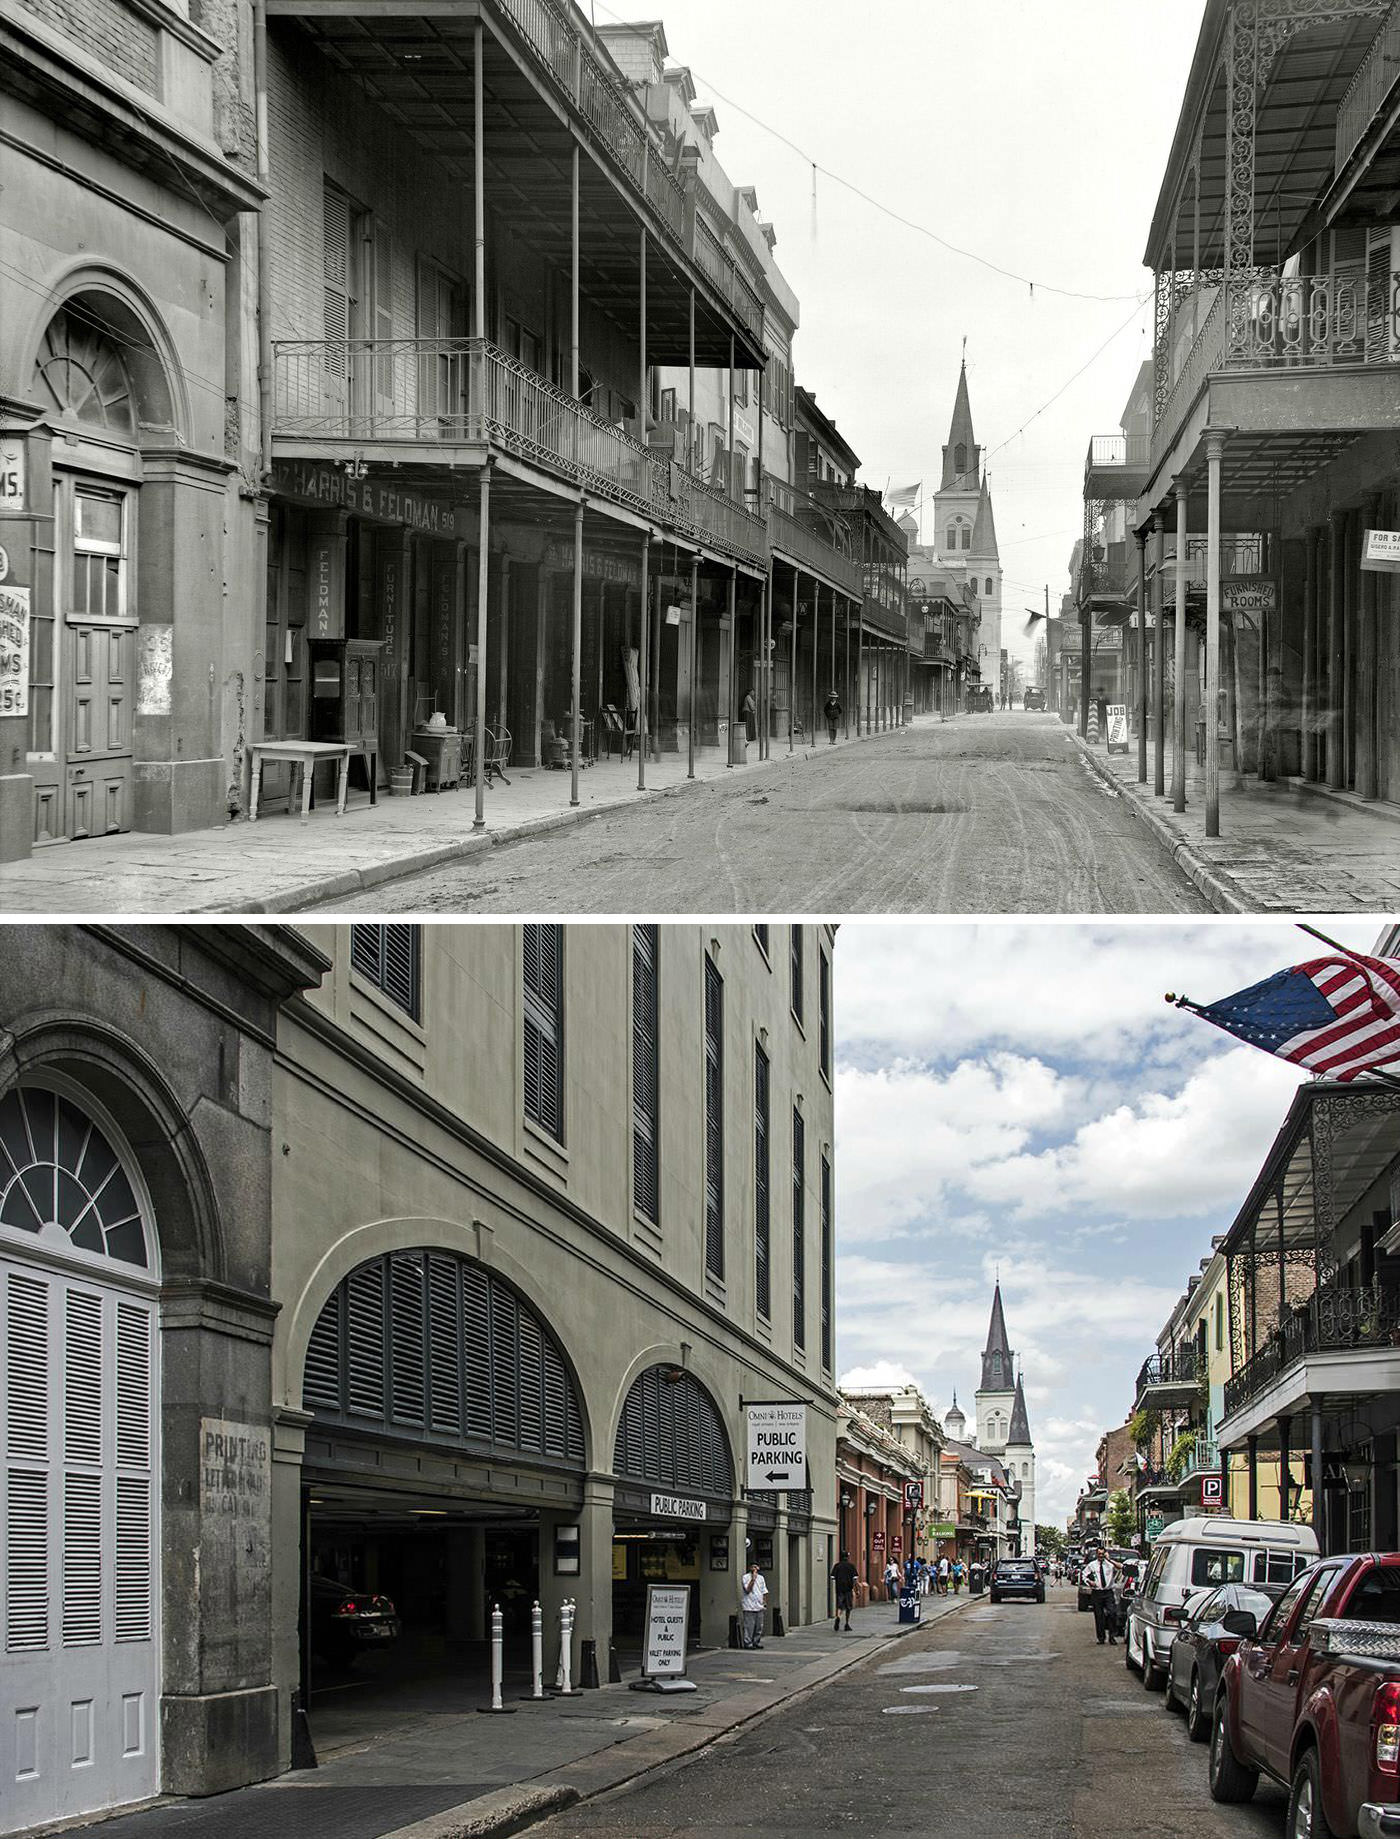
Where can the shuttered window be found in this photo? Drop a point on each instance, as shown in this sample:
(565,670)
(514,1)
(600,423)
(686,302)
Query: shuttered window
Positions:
(338,257)
(797,979)
(714,1119)
(391,957)
(760,934)
(824,997)
(646,1073)
(428,1345)
(543,949)
(670,1434)
(27,1368)
(799,1230)
(826,1264)
(762,1262)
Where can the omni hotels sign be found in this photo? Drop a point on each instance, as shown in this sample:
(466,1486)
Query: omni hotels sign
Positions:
(312,483)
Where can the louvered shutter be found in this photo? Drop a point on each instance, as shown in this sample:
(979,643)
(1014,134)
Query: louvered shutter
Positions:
(444,1344)
(336,227)
(646,1170)
(530,1371)
(796,954)
(367,952)
(824,996)
(401,960)
(543,1021)
(476,1348)
(799,1231)
(26,1442)
(407,1332)
(1378,292)
(365,1340)
(714,1120)
(383,317)
(82,1469)
(321,1381)
(505,1354)
(762,1290)
(826,1264)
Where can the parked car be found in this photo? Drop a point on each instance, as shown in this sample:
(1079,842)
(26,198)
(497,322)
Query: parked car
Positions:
(1200,1554)
(1017,1577)
(979,700)
(344,1621)
(1203,1644)
(1035,699)
(1311,1698)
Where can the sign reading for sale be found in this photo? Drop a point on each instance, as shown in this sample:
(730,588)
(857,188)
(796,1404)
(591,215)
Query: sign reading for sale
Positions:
(777,1446)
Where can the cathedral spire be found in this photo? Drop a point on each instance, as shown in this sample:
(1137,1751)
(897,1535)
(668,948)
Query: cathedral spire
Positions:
(962,457)
(1020,1424)
(984,529)
(997,1363)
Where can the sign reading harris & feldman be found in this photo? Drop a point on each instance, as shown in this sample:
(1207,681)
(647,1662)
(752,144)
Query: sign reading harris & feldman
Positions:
(312,483)
(777,1455)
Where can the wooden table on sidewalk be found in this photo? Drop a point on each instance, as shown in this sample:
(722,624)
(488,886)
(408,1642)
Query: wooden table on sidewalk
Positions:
(305,755)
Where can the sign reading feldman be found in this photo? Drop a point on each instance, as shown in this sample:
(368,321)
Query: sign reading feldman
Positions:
(14,651)
(777,1446)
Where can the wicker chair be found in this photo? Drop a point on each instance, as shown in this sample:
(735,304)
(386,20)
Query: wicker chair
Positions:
(497,754)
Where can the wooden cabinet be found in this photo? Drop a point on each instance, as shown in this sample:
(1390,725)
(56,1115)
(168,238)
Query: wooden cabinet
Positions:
(345,697)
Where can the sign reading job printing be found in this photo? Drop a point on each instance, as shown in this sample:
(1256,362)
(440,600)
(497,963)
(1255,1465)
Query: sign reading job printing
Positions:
(14,650)
(235,1507)
(777,1446)
(668,1619)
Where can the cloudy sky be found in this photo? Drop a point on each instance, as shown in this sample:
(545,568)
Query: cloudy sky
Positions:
(1031,133)
(1019,1097)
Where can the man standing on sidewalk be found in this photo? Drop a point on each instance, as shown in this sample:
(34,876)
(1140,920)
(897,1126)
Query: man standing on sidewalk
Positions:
(843,1575)
(754,1595)
(1100,1578)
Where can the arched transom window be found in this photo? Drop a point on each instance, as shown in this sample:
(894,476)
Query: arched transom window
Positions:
(61,1179)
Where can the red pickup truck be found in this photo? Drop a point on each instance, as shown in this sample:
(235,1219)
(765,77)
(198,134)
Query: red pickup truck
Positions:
(1312,1699)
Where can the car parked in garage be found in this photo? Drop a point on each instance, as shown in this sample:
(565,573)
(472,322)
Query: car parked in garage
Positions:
(344,1622)
(1202,1645)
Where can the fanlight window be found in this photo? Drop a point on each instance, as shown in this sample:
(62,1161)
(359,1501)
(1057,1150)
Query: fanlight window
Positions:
(81,374)
(59,1174)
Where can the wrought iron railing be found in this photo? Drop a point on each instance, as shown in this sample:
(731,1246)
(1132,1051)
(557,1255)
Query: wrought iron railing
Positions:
(1375,78)
(1115,575)
(728,279)
(1178,1369)
(1118,450)
(1333,1319)
(435,391)
(1207,353)
(805,538)
(1201,1456)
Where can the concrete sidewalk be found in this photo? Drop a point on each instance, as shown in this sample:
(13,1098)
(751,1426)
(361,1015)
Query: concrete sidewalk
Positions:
(280,865)
(1285,847)
(454,1775)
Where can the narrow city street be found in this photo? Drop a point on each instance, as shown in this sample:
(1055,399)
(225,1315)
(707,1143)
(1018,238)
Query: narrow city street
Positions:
(986,813)
(1003,1720)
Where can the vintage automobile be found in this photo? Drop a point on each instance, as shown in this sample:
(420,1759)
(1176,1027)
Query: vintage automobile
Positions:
(1035,699)
(1311,1698)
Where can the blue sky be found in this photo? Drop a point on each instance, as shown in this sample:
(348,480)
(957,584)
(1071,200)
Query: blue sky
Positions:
(1019,1096)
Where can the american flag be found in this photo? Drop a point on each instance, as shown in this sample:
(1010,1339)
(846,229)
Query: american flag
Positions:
(1338,1016)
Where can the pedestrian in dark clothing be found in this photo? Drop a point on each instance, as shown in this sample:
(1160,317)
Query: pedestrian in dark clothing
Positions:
(843,1575)
(1101,1577)
(831,708)
(749,710)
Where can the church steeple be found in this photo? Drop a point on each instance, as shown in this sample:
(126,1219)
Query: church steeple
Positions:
(984,529)
(962,457)
(997,1363)
(1020,1434)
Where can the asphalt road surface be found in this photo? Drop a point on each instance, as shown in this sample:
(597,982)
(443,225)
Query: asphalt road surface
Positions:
(984,814)
(998,1723)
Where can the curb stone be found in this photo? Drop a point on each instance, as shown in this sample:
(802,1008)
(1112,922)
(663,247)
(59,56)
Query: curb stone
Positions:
(511,1810)
(1218,888)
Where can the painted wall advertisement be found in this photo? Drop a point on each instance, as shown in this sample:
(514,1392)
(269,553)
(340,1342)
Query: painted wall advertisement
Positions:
(14,650)
(667,1620)
(235,1485)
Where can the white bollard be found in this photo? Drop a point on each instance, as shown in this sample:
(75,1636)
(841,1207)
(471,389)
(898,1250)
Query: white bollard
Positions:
(498,1642)
(537,1651)
(566,1646)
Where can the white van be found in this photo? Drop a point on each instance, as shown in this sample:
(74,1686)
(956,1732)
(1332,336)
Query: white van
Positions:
(1189,1556)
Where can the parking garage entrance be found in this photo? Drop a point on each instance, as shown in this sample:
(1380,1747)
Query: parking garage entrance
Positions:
(446,1444)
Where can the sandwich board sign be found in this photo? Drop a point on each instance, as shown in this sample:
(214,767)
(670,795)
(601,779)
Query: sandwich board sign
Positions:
(1117,727)
(777,1445)
(664,1637)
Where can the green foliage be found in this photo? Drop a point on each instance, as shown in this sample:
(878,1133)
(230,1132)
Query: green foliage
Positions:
(1180,1454)
(1049,1539)
(1143,1426)
(1120,1518)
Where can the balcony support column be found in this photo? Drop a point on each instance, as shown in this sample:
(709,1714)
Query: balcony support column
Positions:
(859,686)
(644,663)
(1159,661)
(729,428)
(733,661)
(1253,1461)
(482,585)
(816,648)
(792,657)
(576,658)
(1319,1498)
(694,658)
(1367,726)
(478,195)
(1336,652)
(764,672)
(1285,1460)
(1215,453)
(1179,656)
(574,295)
(690,431)
(1142,536)
(1086,665)
(643,391)
(848,695)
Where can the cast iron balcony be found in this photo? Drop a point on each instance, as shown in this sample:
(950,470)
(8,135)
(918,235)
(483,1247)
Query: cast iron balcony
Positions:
(803,529)
(1334,1319)
(1167,1379)
(442,401)
(1370,89)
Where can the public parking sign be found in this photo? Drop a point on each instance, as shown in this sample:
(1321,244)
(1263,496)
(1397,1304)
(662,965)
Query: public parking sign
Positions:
(777,1445)
(1212,1490)
(913,1495)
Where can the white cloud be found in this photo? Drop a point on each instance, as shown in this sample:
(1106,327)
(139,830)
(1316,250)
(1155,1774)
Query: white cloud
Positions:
(881,1373)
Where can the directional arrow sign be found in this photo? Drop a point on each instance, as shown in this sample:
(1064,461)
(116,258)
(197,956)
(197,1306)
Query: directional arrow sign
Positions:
(777,1445)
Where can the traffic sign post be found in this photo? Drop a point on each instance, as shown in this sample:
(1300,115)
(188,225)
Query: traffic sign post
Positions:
(1212,1492)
